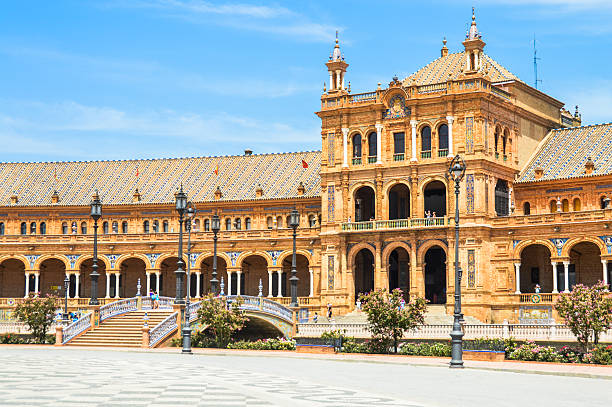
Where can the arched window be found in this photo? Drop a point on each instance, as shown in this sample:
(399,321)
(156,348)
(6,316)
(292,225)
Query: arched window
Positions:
(472,61)
(526,208)
(155,226)
(124,227)
(228,224)
(553,206)
(32,228)
(357,149)
(196,225)
(24,228)
(83,228)
(443,140)
(279,222)
(1,228)
(105,228)
(64,228)
(426,142)
(565,205)
(505,141)
(603,201)
(43,228)
(247,223)
(206,225)
(115,226)
(74,228)
(501,198)
(165,226)
(145,226)
(288,221)
(238,223)
(312,221)
(269,222)
(577,205)
(372,147)
(497,130)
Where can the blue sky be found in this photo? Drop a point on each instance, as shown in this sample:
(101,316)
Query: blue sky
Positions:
(117,79)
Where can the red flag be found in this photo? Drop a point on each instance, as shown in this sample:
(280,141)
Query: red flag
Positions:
(137,173)
(304,164)
(216,171)
(55,174)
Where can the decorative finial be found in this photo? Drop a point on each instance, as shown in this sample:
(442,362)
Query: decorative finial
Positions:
(444,41)
(336,36)
(324,87)
(473,15)
(349,87)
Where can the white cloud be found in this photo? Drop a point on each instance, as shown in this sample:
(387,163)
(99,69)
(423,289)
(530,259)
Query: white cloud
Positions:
(265,19)
(70,130)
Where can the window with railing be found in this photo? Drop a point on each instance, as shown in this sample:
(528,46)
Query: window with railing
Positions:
(425,154)
(443,153)
(371,159)
(426,142)
(398,157)
(372,147)
(356,161)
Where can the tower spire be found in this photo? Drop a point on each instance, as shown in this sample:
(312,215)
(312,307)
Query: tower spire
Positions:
(337,68)
(474,46)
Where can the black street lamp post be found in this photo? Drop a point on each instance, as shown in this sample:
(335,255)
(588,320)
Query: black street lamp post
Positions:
(181,205)
(215,226)
(457,171)
(96,214)
(66,287)
(294,222)
(187,324)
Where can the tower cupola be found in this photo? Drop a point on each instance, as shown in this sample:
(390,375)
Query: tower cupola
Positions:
(337,69)
(473,47)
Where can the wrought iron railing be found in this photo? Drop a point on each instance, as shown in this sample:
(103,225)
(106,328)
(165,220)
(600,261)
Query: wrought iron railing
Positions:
(398,157)
(161,330)
(356,161)
(425,154)
(372,159)
(118,308)
(443,152)
(80,325)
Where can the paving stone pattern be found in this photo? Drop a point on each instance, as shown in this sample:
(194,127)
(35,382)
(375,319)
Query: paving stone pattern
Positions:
(54,377)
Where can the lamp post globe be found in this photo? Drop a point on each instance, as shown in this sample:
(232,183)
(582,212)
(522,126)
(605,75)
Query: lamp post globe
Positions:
(187,317)
(181,205)
(456,171)
(215,225)
(96,214)
(294,222)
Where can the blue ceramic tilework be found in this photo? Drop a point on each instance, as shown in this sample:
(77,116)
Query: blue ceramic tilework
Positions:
(469,135)
(331,203)
(471,257)
(469,187)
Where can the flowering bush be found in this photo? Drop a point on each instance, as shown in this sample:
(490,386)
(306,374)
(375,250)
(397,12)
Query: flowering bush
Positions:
(12,339)
(37,313)
(587,311)
(600,354)
(264,344)
(533,352)
(570,355)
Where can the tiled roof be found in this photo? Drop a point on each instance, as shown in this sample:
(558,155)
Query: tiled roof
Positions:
(563,153)
(158,179)
(449,67)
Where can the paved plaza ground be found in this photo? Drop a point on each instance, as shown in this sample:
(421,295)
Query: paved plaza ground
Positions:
(50,376)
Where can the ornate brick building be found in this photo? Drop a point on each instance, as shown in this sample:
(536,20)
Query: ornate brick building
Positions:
(374,202)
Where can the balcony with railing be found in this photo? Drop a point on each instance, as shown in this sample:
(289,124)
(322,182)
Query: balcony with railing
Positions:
(553,218)
(443,152)
(371,159)
(357,161)
(425,154)
(398,157)
(395,224)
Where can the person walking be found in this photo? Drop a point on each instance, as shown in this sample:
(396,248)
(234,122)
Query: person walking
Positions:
(329,311)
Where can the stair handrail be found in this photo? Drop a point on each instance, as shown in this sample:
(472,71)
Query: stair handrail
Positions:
(118,308)
(75,328)
(161,330)
(194,307)
(166,302)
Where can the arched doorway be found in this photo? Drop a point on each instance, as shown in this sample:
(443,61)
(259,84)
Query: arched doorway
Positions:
(132,270)
(206,269)
(435,275)
(12,278)
(585,265)
(167,278)
(399,202)
(434,196)
(365,205)
(301,266)
(536,268)
(399,271)
(86,269)
(254,270)
(52,275)
(363,272)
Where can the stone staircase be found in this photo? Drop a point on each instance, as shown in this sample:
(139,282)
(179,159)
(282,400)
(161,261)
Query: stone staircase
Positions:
(123,330)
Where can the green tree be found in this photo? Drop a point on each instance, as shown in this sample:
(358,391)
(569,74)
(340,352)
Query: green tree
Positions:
(222,318)
(587,311)
(37,313)
(389,317)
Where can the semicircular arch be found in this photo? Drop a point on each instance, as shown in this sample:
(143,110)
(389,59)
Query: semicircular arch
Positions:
(523,244)
(567,247)
(125,257)
(250,253)
(428,245)
(83,258)
(392,246)
(356,249)
(288,253)
(45,257)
